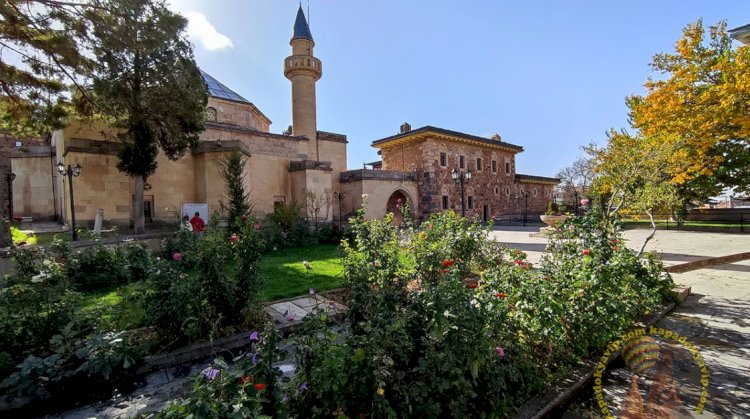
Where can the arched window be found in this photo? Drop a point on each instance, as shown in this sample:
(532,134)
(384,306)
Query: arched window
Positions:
(211,114)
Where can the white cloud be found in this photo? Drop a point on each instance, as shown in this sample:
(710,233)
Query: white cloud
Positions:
(201,30)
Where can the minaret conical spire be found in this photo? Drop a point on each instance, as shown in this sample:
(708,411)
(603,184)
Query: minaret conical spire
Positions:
(301,28)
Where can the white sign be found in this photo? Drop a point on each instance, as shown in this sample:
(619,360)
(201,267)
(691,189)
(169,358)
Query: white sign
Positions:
(191,209)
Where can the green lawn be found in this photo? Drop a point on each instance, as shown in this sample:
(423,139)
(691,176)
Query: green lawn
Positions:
(287,277)
(283,271)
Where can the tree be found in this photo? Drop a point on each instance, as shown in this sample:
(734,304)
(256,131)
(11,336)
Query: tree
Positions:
(232,170)
(314,204)
(575,180)
(631,176)
(703,104)
(146,84)
(41,59)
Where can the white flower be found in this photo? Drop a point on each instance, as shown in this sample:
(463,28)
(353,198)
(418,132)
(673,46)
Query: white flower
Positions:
(364,196)
(47,262)
(37,278)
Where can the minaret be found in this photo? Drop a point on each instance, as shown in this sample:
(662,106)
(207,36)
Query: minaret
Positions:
(303,70)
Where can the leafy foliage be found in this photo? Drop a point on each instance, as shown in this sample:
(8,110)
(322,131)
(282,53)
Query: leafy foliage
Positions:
(700,106)
(232,171)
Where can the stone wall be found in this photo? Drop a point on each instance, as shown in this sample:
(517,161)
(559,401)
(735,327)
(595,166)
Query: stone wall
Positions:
(488,194)
(240,114)
(9,145)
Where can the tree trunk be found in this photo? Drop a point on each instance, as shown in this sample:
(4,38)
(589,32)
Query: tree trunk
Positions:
(650,236)
(5,239)
(139,227)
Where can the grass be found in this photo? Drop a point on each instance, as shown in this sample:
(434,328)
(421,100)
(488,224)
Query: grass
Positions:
(283,271)
(287,277)
(673,224)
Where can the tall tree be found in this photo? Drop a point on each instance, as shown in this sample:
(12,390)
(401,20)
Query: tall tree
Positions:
(703,104)
(232,171)
(145,84)
(631,175)
(41,59)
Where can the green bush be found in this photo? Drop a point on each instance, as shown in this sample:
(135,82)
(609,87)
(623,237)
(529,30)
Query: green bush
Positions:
(98,267)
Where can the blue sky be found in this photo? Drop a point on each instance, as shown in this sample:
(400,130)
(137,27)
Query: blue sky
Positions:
(550,76)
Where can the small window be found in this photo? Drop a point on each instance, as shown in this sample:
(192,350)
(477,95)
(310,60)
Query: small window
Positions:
(479,164)
(211,114)
(507,167)
(497,190)
(470,202)
(494,166)
(507,191)
(445,202)
(461,162)
(443,159)
(534,191)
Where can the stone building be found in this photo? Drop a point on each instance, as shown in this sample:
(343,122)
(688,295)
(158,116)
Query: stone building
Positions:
(281,168)
(424,162)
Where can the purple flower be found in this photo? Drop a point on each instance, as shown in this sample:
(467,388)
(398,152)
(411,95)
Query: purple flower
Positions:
(500,351)
(303,386)
(288,316)
(253,336)
(255,358)
(211,373)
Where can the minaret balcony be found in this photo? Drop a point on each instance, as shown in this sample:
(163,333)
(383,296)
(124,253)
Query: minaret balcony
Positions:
(303,64)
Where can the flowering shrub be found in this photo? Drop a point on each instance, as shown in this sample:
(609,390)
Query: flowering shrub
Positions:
(443,323)
(248,389)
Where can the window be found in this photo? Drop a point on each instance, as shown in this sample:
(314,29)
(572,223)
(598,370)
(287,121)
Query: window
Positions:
(497,190)
(445,202)
(211,114)
(461,162)
(494,166)
(479,164)
(470,202)
(507,167)
(443,159)
(534,191)
(507,191)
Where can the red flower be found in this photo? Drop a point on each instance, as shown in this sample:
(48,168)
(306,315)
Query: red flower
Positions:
(586,252)
(471,285)
(260,386)
(500,295)
(615,241)
(233,238)
(243,218)
(245,379)
(443,271)
(518,261)
(447,263)
(177,256)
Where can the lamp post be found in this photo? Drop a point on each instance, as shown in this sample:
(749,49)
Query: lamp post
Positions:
(525,195)
(460,178)
(70,172)
(10,177)
(340,197)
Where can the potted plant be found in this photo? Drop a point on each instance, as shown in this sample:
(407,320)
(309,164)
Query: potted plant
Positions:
(553,216)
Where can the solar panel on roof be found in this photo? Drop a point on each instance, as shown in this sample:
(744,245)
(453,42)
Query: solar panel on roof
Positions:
(219,90)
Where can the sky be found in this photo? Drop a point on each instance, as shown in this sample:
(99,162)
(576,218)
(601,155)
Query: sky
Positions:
(550,76)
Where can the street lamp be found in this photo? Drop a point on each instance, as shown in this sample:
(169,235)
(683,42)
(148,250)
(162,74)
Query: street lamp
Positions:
(340,197)
(70,172)
(525,195)
(460,178)
(10,177)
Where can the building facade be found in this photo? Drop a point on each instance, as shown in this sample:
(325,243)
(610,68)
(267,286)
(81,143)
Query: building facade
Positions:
(416,165)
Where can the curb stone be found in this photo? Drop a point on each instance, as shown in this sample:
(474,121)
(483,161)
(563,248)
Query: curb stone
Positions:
(565,389)
(702,263)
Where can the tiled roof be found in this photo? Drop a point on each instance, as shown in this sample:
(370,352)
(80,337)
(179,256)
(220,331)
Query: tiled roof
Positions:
(219,90)
(441,131)
(536,179)
(301,28)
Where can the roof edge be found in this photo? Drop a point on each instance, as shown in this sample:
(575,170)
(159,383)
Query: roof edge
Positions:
(443,131)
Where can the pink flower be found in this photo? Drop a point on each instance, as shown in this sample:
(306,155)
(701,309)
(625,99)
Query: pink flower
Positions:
(500,351)
(243,218)
(177,256)
(257,226)
(233,238)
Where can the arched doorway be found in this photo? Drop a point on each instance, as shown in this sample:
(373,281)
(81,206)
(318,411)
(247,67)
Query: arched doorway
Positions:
(395,204)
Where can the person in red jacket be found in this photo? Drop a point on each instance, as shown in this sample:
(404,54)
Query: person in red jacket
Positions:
(197,223)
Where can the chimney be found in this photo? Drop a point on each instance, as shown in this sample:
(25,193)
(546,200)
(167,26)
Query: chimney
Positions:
(405,127)
(496,137)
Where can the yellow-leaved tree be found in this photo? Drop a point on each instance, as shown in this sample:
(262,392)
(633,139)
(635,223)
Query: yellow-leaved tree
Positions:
(702,108)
